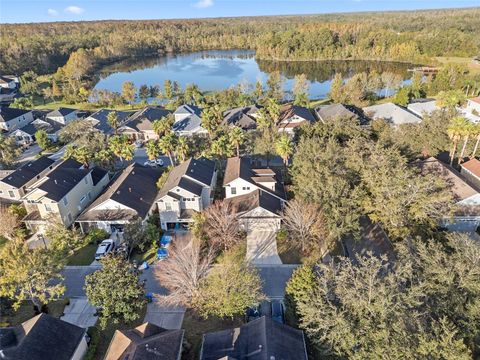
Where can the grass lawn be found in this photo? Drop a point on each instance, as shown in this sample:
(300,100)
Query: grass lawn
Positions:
(105,336)
(25,312)
(83,256)
(320,102)
(82,106)
(148,256)
(196,326)
(466,62)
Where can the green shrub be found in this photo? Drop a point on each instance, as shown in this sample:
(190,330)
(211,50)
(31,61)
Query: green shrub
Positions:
(95,235)
(94,334)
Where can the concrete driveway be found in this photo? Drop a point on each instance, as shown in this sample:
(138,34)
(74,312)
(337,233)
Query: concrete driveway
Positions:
(29,154)
(79,312)
(140,157)
(275,278)
(163,316)
(262,248)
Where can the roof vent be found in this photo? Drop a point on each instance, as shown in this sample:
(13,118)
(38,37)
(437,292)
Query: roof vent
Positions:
(118,192)
(55,181)
(129,189)
(141,199)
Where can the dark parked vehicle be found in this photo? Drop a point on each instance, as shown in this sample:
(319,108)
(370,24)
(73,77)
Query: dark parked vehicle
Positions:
(277,312)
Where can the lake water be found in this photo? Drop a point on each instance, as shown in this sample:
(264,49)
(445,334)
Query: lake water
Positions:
(221,69)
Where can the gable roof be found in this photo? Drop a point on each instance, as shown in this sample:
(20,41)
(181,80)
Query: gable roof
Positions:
(201,170)
(291,110)
(391,113)
(475,99)
(28,172)
(43,337)
(60,112)
(459,187)
(135,188)
(239,167)
(188,109)
(6,79)
(101,116)
(191,123)
(422,108)
(8,113)
(145,342)
(330,112)
(47,125)
(241,116)
(62,179)
(260,339)
(256,199)
(143,119)
(472,165)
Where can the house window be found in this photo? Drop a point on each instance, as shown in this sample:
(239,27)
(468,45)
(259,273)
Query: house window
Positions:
(89,196)
(1,192)
(65,201)
(168,206)
(86,179)
(11,193)
(82,200)
(69,217)
(233,190)
(246,188)
(48,207)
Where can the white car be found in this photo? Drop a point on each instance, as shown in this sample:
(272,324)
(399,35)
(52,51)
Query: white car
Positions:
(153,163)
(104,248)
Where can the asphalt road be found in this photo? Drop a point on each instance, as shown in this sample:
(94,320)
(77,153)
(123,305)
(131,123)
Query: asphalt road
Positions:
(274,279)
(141,156)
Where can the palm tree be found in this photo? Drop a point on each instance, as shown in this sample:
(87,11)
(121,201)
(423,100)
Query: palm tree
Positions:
(105,157)
(466,133)
(455,131)
(120,146)
(128,151)
(112,119)
(162,126)
(284,148)
(167,145)
(211,118)
(476,133)
(151,148)
(182,148)
(237,138)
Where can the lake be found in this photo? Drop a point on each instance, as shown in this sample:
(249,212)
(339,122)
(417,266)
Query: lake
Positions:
(221,69)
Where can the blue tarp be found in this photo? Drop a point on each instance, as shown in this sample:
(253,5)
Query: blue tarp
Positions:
(162,253)
(165,240)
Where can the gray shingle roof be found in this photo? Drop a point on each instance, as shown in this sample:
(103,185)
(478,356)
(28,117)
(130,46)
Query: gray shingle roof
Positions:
(8,113)
(102,117)
(260,339)
(43,337)
(135,188)
(143,119)
(47,125)
(391,113)
(330,112)
(60,112)
(28,172)
(241,116)
(256,199)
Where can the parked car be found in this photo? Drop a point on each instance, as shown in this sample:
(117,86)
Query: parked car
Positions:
(105,247)
(153,163)
(277,312)
(253,313)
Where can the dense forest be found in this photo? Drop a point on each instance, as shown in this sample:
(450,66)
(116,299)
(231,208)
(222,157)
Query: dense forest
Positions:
(396,36)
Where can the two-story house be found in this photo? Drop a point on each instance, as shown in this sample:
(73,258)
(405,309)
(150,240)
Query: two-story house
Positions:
(63,194)
(256,194)
(99,120)
(12,119)
(15,185)
(473,106)
(63,115)
(131,195)
(188,121)
(9,82)
(26,134)
(293,116)
(188,189)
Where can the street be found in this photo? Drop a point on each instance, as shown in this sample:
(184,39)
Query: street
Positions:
(141,156)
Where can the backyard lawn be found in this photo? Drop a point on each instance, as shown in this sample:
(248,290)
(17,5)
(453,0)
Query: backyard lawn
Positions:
(196,326)
(25,312)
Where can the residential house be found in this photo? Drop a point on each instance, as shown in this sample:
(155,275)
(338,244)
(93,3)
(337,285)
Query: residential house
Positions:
(43,337)
(293,116)
(63,194)
(473,106)
(12,119)
(9,82)
(140,125)
(187,190)
(26,134)
(99,120)
(7,95)
(188,121)
(16,184)
(145,342)
(391,113)
(424,107)
(244,117)
(471,171)
(256,194)
(260,339)
(63,115)
(326,113)
(129,196)
(464,192)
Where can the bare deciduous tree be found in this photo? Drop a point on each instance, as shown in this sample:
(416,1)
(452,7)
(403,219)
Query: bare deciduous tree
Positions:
(221,225)
(8,222)
(182,273)
(304,223)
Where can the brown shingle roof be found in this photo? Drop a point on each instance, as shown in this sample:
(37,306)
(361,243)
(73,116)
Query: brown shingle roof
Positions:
(473,166)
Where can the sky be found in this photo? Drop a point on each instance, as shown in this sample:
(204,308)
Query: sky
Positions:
(24,11)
